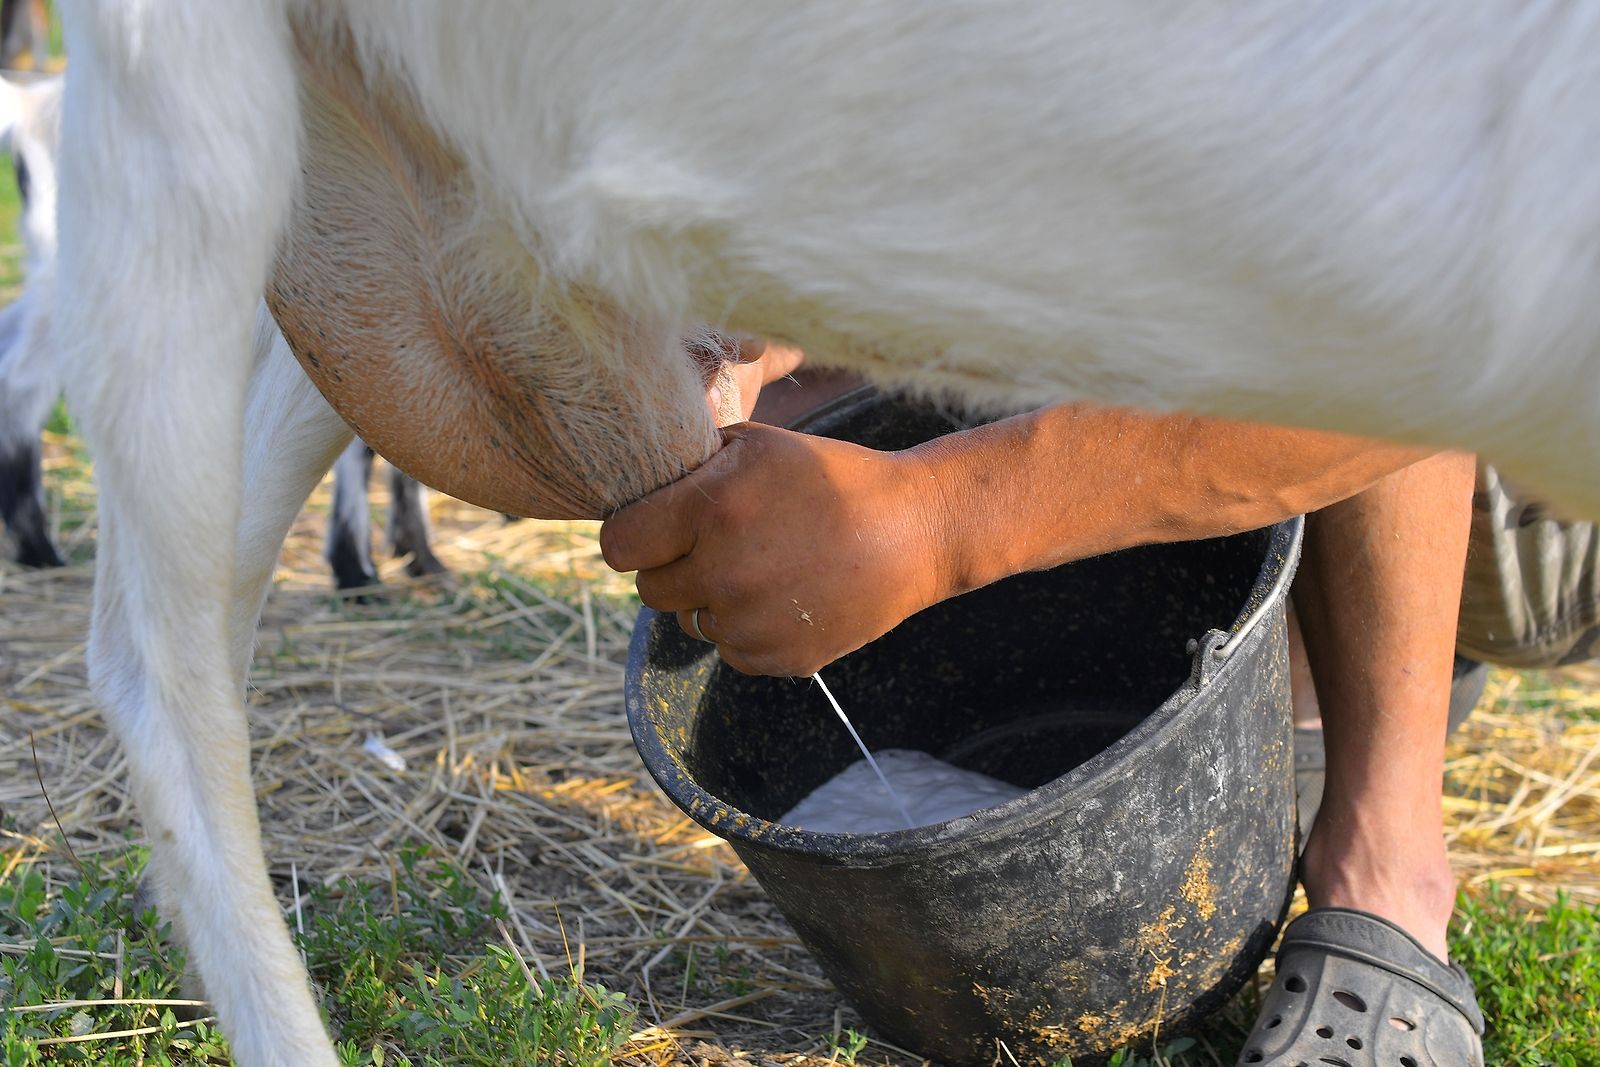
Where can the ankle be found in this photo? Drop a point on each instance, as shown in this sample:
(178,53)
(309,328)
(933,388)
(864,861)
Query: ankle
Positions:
(1404,879)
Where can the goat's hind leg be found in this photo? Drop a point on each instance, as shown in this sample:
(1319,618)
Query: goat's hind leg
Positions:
(409,529)
(348,548)
(291,437)
(22,497)
(166,268)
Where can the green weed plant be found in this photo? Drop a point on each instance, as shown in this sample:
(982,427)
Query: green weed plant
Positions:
(413,973)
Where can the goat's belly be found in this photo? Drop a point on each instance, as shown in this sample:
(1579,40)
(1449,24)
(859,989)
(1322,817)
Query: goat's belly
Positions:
(424,323)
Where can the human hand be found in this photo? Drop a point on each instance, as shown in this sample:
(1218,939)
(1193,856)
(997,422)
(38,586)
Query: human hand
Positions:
(796,549)
(732,396)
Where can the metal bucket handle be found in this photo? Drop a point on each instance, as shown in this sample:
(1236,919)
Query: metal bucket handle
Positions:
(1216,647)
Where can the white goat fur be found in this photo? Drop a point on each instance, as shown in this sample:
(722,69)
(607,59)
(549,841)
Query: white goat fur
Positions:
(1359,215)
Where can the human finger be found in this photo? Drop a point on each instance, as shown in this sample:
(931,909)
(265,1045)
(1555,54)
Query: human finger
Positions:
(779,360)
(676,586)
(655,530)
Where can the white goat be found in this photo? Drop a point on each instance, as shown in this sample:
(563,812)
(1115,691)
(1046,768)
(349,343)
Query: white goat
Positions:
(484,232)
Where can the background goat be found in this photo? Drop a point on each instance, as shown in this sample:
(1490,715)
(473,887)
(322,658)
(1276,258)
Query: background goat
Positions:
(29,120)
(29,124)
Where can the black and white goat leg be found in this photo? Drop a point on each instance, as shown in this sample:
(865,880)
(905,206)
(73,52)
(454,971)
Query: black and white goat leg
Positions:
(410,533)
(348,548)
(166,269)
(27,390)
(22,501)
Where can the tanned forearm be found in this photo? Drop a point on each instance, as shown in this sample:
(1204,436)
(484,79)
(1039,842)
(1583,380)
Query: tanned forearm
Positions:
(795,550)
(1068,482)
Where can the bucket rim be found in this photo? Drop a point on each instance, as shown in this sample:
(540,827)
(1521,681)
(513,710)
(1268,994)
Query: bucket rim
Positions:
(1123,757)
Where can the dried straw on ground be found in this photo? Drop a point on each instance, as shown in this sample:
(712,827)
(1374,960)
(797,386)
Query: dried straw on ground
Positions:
(502,690)
(1522,806)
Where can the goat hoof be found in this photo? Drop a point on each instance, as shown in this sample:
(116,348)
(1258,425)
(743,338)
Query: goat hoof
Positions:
(39,554)
(422,564)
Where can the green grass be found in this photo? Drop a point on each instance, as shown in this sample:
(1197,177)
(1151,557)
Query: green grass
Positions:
(10,241)
(411,973)
(54,33)
(846,1045)
(416,972)
(82,943)
(1538,979)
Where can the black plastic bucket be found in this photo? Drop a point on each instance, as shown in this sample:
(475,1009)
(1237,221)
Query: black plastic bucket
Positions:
(1143,697)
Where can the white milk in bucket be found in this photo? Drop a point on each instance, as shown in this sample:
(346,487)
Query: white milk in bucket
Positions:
(854,801)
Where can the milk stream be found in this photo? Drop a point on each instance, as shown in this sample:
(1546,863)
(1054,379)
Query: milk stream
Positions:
(898,803)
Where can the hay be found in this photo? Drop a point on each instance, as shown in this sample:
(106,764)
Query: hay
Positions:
(502,690)
(1522,804)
